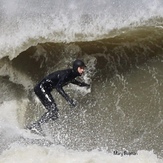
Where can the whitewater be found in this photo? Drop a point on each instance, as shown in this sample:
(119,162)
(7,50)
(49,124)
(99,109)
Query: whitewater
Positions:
(120,118)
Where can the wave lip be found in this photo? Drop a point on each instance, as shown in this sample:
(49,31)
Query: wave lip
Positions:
(119,50)
(27,24)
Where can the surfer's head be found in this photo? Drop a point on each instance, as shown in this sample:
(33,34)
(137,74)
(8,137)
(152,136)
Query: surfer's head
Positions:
(78,66)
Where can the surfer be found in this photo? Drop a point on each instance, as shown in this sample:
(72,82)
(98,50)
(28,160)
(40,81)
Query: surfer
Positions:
(57,80)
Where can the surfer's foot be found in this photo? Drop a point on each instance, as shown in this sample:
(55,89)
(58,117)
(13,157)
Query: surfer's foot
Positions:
(36,127)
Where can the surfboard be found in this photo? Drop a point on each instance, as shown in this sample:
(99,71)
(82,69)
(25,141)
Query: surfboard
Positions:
(35,128)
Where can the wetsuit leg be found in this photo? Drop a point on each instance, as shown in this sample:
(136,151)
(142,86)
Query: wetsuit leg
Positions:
(48,102)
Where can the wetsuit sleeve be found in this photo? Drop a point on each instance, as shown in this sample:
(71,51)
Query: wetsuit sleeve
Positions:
(62,92)
(81,84)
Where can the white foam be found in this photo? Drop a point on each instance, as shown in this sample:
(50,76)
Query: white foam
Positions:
(12,113)
(58,154)
(8,112)
(26,23)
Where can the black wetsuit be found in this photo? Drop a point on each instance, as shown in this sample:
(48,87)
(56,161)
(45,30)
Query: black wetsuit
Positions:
(56,81)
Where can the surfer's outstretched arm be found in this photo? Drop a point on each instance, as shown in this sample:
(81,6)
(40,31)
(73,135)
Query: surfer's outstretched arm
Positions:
(81,84)
(63,93)
(68,99)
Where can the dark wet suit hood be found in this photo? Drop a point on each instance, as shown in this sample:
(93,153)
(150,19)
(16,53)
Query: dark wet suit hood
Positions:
(78,63)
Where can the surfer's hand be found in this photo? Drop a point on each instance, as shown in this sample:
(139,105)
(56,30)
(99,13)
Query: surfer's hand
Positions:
(88,86)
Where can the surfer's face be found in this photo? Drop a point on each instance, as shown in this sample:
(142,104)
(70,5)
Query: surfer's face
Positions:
(80,70)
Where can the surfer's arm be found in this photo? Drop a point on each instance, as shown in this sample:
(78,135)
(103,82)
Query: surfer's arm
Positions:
(81,84)
(59,88)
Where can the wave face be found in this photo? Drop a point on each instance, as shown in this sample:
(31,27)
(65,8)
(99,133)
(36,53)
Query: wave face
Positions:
(121,44)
